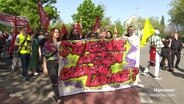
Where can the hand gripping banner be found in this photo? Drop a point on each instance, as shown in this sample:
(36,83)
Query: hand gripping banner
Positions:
(97,65)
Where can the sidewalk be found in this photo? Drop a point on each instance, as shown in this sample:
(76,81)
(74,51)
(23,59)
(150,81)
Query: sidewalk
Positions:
(14,90)
(8,98)
(39,91)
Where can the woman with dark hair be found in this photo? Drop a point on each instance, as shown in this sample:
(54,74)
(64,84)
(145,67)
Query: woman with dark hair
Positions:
(74,34)
(93,35)
(50,61)
(130,31)
(109,35)
(35,54)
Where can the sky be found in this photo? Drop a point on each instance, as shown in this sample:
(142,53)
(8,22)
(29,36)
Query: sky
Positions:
(118,9)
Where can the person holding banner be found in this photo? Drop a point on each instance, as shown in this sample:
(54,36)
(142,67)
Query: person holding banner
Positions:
(155,47)
(74,34)
(135,41)
(103,33)
(109,35)
(51,61)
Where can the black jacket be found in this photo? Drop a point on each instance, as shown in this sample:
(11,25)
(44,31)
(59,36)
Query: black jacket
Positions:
(176,45)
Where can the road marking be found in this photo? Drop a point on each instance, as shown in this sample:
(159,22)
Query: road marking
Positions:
(144,97)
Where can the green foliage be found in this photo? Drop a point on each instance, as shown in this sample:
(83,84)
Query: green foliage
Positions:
(29,9)
(141,22)
(162,22)
(56,24)
(177,12)
(162,25)
(119,27)
(155,22)
(87,13)
(106,22)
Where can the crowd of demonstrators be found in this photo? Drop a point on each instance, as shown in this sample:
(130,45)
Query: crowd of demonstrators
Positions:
(38,51)
(3,44)
(172,46)
(26,49)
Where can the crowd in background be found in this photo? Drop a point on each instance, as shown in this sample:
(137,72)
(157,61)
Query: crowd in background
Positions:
(36,53)
(38,38)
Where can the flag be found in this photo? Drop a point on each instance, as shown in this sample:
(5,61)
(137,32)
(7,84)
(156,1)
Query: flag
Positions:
(44,19)
(115,30)
(28,28)
(97,24)
(148,31)
(63,30)
(78,27)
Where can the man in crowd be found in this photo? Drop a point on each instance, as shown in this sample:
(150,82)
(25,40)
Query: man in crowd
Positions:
(155,47)
(23,41)
(176,48)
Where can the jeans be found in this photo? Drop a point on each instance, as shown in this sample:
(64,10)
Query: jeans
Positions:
(25,62)
(52,67)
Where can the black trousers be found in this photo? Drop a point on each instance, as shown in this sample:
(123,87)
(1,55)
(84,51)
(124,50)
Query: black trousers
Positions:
(178,57)
(168,58)
(52,67)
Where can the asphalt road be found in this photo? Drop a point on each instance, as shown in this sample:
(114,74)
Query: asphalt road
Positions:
(14,90)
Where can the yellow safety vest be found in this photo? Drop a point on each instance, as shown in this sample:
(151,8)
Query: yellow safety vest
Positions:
(26,48)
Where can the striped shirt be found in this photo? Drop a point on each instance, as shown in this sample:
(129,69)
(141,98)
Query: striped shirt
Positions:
(156,41)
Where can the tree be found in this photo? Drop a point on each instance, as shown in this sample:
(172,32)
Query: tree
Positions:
(177,13)
(141,22)
(29,9)
(87,12)
(106,22)
(162,22)
(162,25)
(119,27)
(155,22)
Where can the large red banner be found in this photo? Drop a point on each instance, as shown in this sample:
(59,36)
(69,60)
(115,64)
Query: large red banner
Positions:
(10,19)
(97,65)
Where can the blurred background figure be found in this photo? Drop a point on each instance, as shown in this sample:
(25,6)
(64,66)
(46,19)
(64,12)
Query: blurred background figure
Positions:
(109,35)
(176,48)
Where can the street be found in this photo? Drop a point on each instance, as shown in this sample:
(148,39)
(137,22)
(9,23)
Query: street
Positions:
(168,90)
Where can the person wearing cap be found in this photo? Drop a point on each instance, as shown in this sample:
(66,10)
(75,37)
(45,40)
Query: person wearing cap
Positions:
(155,47)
